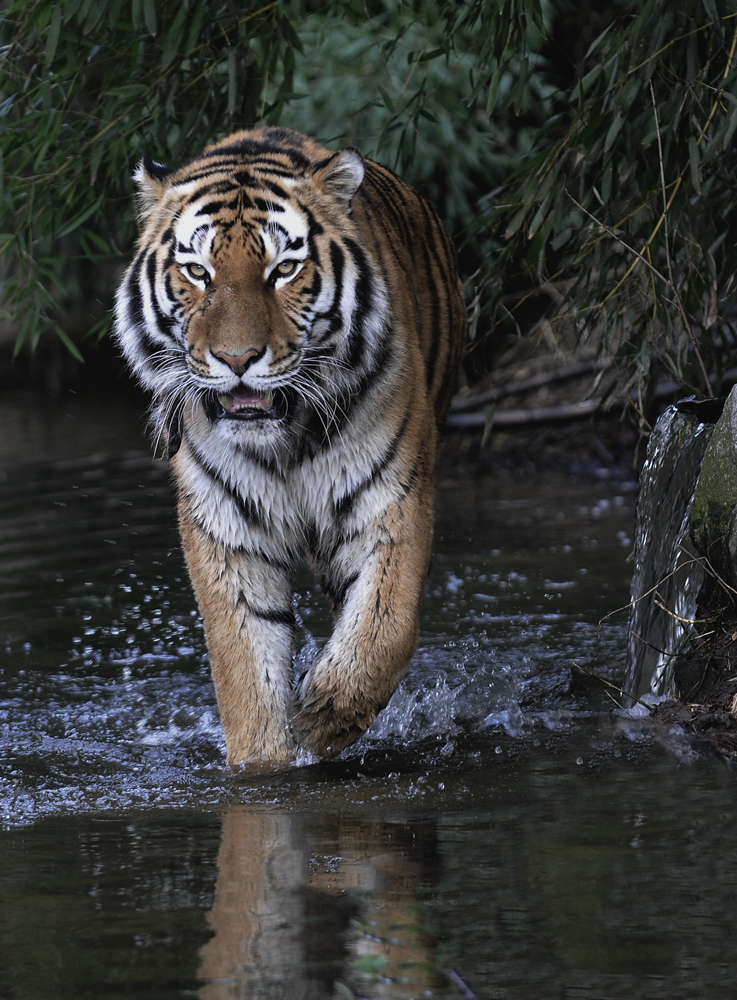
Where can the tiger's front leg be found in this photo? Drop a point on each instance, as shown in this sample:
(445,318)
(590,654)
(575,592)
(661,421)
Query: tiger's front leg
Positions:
(246,605)
(376,580)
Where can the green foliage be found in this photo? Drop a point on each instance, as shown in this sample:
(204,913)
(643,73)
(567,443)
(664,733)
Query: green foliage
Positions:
(549,182)
(626,203)
(409,87)
(88,86)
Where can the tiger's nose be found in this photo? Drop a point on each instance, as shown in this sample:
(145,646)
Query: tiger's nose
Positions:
(239,363)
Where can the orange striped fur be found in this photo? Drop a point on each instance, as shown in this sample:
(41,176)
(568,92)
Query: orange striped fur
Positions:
(298,317)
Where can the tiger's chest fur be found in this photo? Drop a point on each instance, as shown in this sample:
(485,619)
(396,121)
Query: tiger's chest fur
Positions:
(289,508)
(298,318)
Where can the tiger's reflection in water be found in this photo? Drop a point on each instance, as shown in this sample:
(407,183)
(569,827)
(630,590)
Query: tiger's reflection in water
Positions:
(303,904)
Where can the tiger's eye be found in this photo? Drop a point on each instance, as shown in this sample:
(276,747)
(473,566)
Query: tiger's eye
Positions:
(286,267)
(197,271)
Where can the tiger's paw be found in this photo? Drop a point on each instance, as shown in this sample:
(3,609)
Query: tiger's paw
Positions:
(260,765)
(325,729)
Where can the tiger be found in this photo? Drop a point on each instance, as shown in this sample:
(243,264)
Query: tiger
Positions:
(297,315)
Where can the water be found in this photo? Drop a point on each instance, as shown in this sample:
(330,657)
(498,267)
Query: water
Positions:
(502,818)
(667,579)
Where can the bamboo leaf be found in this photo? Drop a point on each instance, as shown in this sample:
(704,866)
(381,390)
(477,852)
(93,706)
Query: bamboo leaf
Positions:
(613,132)
(590,79)
(493,90)
(232,82)
(149,14)
(387,99)
(68,342)
(693,151)
(52,39)
(174,37)
(77,221)
(711,10)
(129,91)
(521,85)
(196,25)
(291,35)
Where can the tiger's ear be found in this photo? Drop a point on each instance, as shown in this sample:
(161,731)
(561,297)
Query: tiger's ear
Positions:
(341,175)
(150,177)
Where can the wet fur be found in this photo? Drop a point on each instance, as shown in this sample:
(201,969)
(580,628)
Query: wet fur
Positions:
(360,350)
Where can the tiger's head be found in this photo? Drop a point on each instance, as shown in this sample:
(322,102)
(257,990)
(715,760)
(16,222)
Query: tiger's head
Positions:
(250,282)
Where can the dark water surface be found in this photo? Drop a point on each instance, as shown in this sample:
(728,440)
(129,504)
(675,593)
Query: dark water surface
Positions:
(501,819)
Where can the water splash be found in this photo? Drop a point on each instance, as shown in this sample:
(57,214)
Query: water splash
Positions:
(106,702)
(666,580)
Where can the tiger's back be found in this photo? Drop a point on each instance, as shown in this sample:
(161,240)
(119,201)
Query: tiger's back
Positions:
(417,250)
(298,316)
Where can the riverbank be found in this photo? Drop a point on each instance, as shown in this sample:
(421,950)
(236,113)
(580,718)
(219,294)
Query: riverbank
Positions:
(706,681)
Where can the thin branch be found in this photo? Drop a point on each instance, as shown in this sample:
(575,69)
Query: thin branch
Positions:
(609,684)
(631,604)
(461,403)
(708,568)
(619,239)
(666,241)
(575,313)
(519,418)
(639,412)
(650,645)
(542,414)
(658,602)
(467,992)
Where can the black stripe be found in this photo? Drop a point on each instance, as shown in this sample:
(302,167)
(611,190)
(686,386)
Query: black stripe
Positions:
(314,228)
(134,316)
(262,152)
(411,480)
(364,302)
(167,286)
(211,172)
(213,207)
(264,182)
(431,233)
(275,616)
(315,288)
(347,501)
(135,293)
(369,376)
(337,261)
(333,313)
(206,171)
(265,461)
(279,564)
(436,329)
(339,592)
(390,193)
(147,344)
(268,206)
(245,505)
(164,322)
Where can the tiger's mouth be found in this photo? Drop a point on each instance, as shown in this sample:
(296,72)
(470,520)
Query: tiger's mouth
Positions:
(244,403)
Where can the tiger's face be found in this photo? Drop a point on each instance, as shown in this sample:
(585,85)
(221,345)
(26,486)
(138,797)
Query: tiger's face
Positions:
(247,292)
(245,288)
